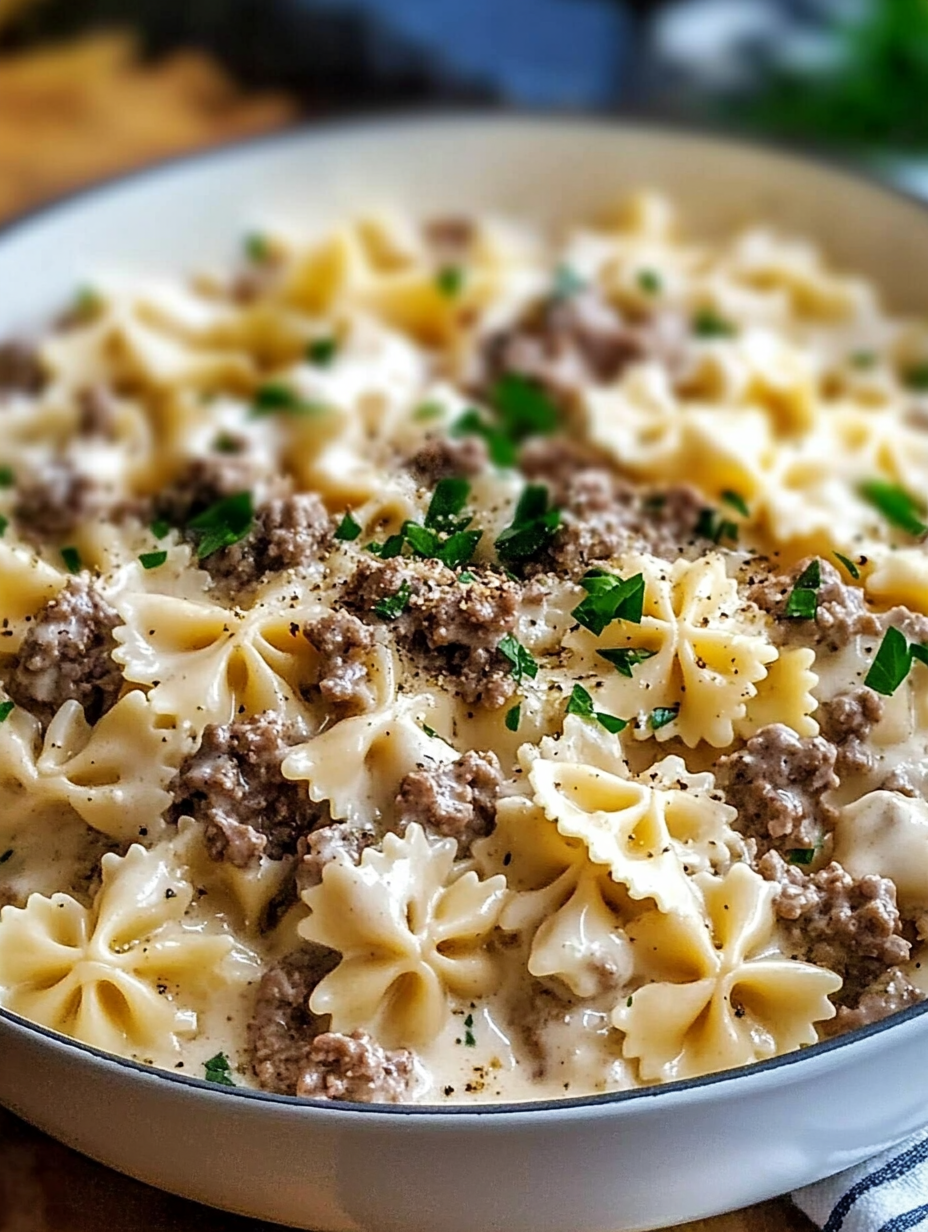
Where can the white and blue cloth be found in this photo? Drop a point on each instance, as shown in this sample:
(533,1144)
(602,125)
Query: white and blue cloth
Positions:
(888,1193)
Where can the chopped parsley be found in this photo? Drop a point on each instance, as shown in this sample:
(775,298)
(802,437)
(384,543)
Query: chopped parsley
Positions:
(523,665)
(500,446)
(448,499)
(802,603)
(711,525)
(87,304)
(624,658)
(393,606)
(896,505)
(466,576)
(449,281)
(521,409)
(219,1070)
(801,855)
(257,247)
(849,565)
(275,398)
(321,351)
(863,359)
(444,536)
(567,283)
(707,323)
(609,598)
(892,662)
(7,477)
(160,528)
(581,703)
(72,559)
(513,718)
(916,377)
(392,546)
(225,523)
(4,523)
(534,524)
(348,529)
(737,501)
(6,709)
(650,282)
(430,731)
(470,1040)
(225,442)
(152,560)
(428,410)
(660,716)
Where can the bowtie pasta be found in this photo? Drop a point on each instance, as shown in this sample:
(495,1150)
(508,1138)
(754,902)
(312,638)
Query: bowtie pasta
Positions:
(446,662)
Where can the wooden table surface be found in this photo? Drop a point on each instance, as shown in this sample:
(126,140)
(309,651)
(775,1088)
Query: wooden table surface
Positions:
(68,116)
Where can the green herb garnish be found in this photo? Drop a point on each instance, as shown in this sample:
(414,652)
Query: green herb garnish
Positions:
(707,323)
(533,525)
(88,303)
(896,505)
(711,525)
(513,718)
(449,498)
(624,658)
(72,559)
(522,662)
(393,606)
(581,703)
(469,1037)
(275,398)
(7,477)
(567,283)
(500,446)
(802,603)
(863,359)
(660,716)
(428,410)
(650,282)
(321,351)
(450,281)
(737,501)
(891,664)
(4,523)
(524,407)
(6,709)
(392,546)
(225,442)
(159,528)
(429,731)
(223,524)
(916,377)
(849,565)
(609,598)
(348,529)
(257,247)
(152,560)
(801,855)
(219,1070)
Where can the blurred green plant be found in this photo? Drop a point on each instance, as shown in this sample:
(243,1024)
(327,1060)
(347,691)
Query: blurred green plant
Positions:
(874,94)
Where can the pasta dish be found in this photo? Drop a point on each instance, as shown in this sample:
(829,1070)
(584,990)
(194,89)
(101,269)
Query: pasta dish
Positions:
(445,662)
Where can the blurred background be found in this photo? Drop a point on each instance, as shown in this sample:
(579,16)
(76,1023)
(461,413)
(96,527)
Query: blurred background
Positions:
(89,88)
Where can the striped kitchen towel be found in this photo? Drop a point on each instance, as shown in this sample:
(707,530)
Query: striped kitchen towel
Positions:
(888,1193)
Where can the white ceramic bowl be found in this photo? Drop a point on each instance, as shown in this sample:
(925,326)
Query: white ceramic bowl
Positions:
(634,1160)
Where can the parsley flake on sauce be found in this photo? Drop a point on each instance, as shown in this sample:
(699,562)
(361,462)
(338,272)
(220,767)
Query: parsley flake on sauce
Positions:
(393,606)
(533,526)
(523,665)
(801,855)
(470,1040)
(72,559)
(449,498)
(430,731)
(257,247)
(521,409)
(6,709)
(275,398)
(581,703)
(624,658)
(450,281)
(802,603)
(711,525)
(4,523)
(707,323)
(153,560)
(160,528)
(348,529)
(609,598)
(428,410)
(891,663)
(650,282)
(321,351)
(737,501)
(916,377)
(7,477)
(567,283)
(225,523)
(660,716)
(896,505)
(849,565)
(514,717)
(219,1070)
(862,359)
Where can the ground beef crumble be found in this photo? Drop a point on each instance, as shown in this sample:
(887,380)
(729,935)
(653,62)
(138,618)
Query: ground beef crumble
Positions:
(443,458)
(21,369)
(776,782)
(282,1026)
(289,532)
(203,483)
(342,642)
(355,1067)
(56,502)
(841,614)
(67,655)
(234,787)
(847,721)
(452,627)
(342,840)
(453,801)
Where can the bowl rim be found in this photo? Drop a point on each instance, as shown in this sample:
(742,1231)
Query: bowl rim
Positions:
(406,120)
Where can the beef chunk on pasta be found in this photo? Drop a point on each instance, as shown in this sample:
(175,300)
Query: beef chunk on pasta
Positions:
(343,643)
(777,783)
(55,501)
(454,801)
(67,655)
(282,1027)
(233,786)
(442,458)
(355,1067)
(847,721)
(21,369)
(452,628)
(203,483)
(841,611)
(341,840)
(289,532)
